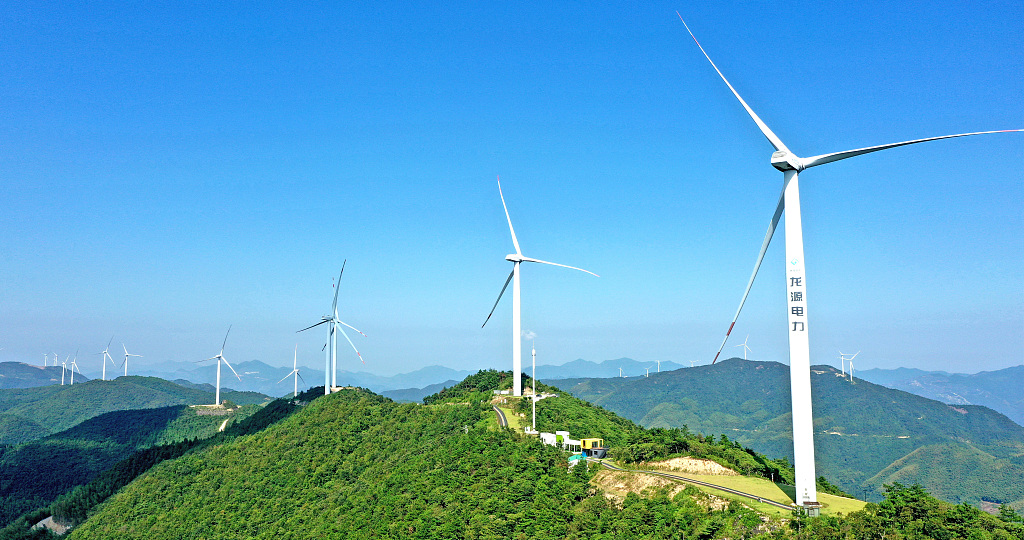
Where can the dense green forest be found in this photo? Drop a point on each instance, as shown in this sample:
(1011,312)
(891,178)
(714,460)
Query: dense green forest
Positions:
(865,435)
(33,413)
(35,473)
(356,465)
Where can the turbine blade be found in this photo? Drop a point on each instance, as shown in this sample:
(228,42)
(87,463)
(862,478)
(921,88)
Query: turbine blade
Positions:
(352,327)
(225,339)
(760,257)
(285,377)
(314,326)
(337,287)
(352,344)
(324,348)
(109,342)
(527,259)
(229,367)
(300,377)
(499,297)
(772,138)
(836,156)
(515,241)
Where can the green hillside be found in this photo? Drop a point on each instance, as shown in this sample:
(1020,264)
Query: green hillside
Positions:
(32,413)
(22,375)
(865,435)
(356,465)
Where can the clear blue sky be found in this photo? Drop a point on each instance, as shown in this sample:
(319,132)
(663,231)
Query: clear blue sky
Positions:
(168,169)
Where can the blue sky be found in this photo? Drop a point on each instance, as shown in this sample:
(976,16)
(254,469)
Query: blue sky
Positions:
(172,168)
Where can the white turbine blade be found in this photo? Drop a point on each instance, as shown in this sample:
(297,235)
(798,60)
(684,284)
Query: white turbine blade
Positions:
(499,298)
(757,265)
(854,355)
(229,367)
(314,326)
(836,156)
(515,241)
(527,259)
(285,377)
(352,344)
(352,327)
(337,287)
(225,339)
(772,138)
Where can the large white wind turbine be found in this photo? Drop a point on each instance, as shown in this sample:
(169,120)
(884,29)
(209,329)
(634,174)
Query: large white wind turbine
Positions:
(331,360)
(63,368)
(219,358)
(106,356)
(295,372)
(796,283)
(843,358)
(126,355)
(516,258)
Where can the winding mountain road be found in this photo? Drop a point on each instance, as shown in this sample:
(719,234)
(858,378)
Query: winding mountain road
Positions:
(502,421)
(699,483)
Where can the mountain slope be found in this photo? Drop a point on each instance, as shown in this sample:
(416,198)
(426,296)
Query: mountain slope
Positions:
(22,375)
(35,473)
(998,390)
(56,408)
(861,429)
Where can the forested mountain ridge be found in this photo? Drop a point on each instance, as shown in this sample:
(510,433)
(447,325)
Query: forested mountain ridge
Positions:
(32,413)
(35,473)
(998,390)
(22,375)
(865,435)
(356,465)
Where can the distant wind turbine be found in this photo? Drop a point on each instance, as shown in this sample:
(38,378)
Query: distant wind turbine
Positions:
(74,366)
(220,358)
(45,358)
(843,358)
(63,368)
(106,356)
(796,284)
(745,348)
(515,259)
(126,355)
(331,360)
(294,371)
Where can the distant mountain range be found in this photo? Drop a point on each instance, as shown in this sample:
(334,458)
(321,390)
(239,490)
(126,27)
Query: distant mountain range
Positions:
(257,376)
(21,375)
(32,413)
(998,390)
(866,435)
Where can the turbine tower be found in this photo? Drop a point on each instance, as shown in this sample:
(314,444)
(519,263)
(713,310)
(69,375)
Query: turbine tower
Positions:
(515,259)
(331,360)
(294,371)
(745,348)
(74,366)
(220,357)
(126,355)
(843,358)
(106,356)
(796,283)
(63,368)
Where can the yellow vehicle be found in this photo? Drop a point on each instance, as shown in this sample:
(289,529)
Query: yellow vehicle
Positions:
(594,447)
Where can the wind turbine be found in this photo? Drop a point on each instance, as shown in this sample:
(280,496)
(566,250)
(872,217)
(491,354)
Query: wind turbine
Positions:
(796,284)
(106,356)
(63,368)
(515,259)
(45,358)
(220,357)
(74,366)
(126,355)
(745,348)
(294,371)
(843,358)
(331,360)
(659,366)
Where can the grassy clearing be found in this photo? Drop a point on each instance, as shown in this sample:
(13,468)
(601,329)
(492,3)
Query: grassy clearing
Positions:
(776,492)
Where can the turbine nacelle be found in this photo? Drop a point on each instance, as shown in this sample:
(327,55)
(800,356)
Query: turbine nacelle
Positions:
(786,161)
